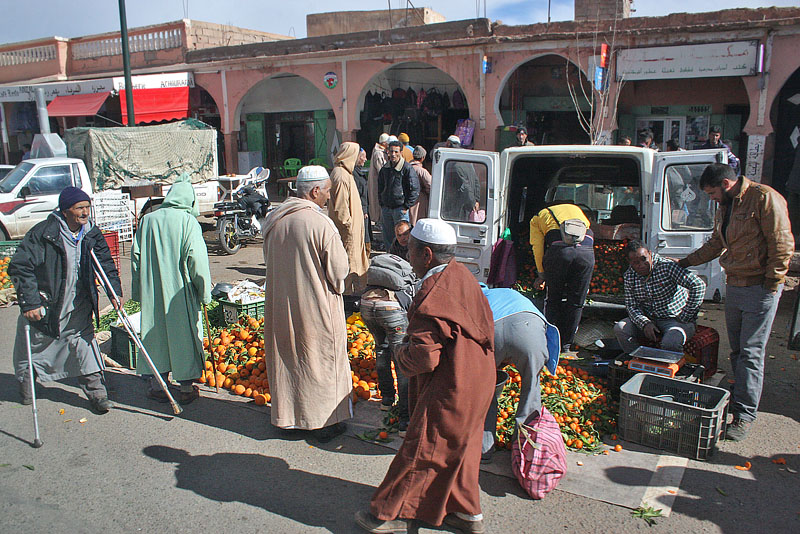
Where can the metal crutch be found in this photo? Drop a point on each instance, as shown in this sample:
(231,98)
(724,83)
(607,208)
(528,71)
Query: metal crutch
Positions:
(112,295)
(36,441)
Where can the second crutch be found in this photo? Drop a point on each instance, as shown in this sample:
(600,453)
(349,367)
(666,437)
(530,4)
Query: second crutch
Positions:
(112,296)
(37,442)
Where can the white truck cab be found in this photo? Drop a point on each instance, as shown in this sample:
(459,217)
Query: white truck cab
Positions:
(624,191)
(29,192)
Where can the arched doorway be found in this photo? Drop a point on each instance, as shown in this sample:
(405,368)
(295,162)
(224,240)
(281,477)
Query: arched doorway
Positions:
(285,116)
(785,115)
(539,96)
(412,97)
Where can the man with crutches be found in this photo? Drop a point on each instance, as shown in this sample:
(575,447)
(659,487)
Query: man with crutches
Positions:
(170,276)
(53,274)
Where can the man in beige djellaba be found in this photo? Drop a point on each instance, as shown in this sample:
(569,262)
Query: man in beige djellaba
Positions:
(305,333)
(344,209)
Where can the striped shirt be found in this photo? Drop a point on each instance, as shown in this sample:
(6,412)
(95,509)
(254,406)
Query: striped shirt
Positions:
(670,292)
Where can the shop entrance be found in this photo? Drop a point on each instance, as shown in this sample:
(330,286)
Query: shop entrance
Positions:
(413,98)
(664,129)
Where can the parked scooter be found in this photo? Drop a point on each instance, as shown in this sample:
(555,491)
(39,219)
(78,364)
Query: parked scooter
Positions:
(241,217)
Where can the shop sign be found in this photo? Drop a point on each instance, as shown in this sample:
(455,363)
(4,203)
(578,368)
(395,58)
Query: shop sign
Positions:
(25,93)
(688,61)
(156,81)
(330,80)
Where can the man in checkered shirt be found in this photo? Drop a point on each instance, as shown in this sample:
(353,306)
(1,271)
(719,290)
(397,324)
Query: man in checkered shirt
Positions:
(662,300)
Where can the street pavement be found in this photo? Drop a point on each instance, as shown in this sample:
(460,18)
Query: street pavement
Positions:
(221,467)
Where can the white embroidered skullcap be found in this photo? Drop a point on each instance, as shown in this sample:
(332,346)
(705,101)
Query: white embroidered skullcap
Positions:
(312,173)
(434,232)
(393,138)
(454,139)
(384,138)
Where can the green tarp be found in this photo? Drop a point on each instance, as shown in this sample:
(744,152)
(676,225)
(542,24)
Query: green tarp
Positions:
(140,154)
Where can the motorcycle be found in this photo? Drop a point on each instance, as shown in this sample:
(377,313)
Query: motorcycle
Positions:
(242,216)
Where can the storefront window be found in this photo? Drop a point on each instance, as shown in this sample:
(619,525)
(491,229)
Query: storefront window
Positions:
(686,207)
(464,193)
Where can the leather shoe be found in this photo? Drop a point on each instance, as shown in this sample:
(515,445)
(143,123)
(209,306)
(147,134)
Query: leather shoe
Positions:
(470,527)
(102,404)
(370,523)
(326,434)
(157,395)
(187,397)
(25,393)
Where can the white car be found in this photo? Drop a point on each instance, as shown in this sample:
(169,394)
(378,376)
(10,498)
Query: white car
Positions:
(5,169)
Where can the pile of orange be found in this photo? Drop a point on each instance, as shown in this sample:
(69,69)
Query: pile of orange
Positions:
(609,266)
(5,281)
(579,403)
(361,350)
(236,360)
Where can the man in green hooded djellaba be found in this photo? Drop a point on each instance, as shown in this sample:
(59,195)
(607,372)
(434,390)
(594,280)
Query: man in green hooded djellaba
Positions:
(171,278)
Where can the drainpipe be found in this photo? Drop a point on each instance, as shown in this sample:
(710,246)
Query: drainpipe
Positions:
(41,108)
(4,132)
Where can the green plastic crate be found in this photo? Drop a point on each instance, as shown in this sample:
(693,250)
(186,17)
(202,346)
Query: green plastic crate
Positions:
(231,311)
(123,350)
(8,248)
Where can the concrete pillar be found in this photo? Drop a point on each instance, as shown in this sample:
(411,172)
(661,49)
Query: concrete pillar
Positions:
(231,152)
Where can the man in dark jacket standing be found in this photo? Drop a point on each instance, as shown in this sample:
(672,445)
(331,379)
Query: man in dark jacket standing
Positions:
(398,190)
(53,274)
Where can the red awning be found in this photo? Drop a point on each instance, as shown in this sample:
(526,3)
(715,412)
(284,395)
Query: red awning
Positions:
(151,105)
(76,105)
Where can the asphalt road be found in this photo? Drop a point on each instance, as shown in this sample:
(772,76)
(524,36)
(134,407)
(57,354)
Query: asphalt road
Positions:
(220,467)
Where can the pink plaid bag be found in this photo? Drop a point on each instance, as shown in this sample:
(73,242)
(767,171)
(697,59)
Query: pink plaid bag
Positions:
(538,456)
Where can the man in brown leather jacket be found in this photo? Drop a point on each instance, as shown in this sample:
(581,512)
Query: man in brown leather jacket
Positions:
(752,228)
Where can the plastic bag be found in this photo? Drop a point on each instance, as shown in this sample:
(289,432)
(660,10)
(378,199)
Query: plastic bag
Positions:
(538,456)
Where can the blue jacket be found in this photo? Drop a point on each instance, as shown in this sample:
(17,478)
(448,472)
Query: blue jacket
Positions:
(504,302)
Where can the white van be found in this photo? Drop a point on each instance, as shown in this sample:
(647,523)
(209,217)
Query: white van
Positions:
(624,191)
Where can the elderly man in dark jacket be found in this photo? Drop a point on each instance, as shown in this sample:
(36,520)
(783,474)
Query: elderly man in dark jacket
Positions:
(398,190)
(52,272)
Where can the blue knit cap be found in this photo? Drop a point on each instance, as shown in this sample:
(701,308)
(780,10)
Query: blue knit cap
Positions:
(71,196)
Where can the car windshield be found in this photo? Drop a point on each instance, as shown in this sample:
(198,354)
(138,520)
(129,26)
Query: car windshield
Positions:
(14,177)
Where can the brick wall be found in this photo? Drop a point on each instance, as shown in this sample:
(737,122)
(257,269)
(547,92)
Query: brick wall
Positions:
(209,35)
(602,9)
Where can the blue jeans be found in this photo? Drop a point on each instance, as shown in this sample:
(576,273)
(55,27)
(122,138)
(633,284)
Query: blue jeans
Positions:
(388,323)
(390,217)
(749,312)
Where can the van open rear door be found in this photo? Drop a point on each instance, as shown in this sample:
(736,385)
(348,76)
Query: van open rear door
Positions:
(683,215)
(463,191)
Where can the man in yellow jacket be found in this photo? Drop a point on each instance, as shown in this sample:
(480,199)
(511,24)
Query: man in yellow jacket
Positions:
(564,269)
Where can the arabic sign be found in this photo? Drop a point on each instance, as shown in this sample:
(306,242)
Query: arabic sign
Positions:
(25,93)
(156,81)
(689,61)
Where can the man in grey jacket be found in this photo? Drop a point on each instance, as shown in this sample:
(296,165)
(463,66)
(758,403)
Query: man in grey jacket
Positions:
(398,190)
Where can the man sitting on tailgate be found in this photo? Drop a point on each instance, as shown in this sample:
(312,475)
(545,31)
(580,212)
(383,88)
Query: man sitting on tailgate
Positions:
(662,300)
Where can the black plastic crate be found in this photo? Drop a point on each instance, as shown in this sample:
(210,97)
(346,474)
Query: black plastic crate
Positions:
(676,416)
(123,350)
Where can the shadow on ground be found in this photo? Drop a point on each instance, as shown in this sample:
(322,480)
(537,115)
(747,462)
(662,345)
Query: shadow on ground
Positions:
(269,483)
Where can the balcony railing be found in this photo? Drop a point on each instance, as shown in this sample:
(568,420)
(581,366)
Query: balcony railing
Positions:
(142,42)
(34,54)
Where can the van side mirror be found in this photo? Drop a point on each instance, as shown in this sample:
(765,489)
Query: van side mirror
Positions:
(25,192)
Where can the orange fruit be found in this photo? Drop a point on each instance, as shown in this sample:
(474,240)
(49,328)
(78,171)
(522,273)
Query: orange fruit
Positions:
(239,389)
(618,448)
(260,399)
(248,392)
(383,435)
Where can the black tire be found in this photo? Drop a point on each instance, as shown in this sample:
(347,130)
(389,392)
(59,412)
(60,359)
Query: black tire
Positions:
(228,239)
(3,234)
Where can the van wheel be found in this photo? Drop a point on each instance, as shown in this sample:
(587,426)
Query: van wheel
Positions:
(3,234)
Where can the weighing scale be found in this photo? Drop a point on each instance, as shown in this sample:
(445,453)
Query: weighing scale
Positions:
(657,361)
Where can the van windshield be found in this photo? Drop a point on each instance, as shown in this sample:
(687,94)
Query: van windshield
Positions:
(14,177)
